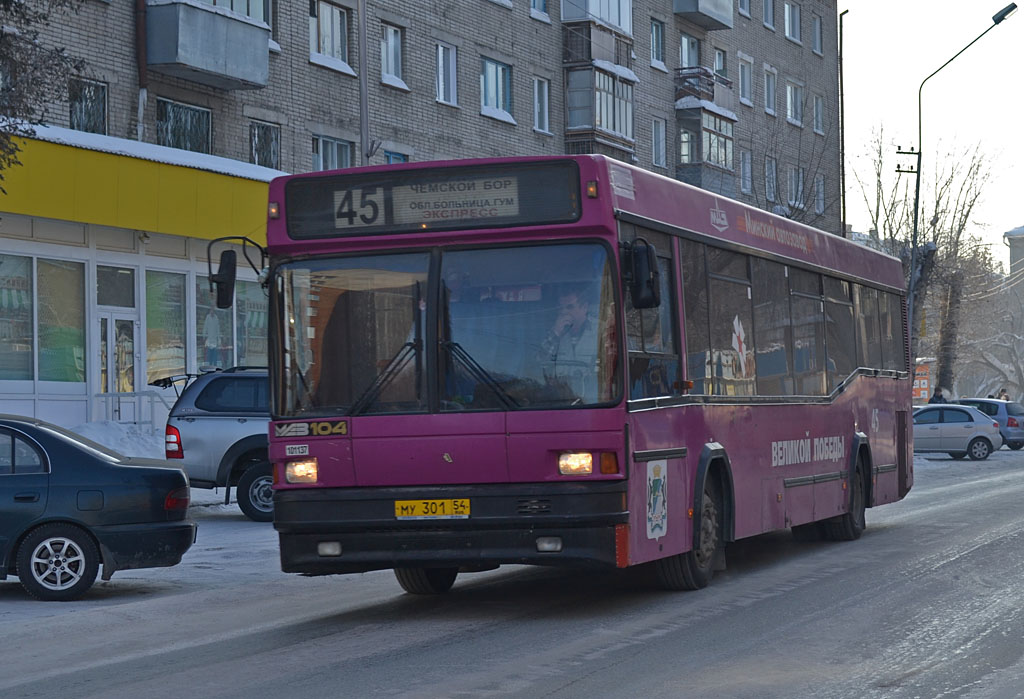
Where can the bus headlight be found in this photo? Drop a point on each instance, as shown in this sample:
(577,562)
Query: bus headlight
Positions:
(304,471)
(576,463)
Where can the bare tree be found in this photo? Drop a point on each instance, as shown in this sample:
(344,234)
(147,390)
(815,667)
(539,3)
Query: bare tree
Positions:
(31,74)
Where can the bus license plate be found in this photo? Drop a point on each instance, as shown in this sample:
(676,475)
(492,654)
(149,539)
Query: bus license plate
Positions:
(432,509)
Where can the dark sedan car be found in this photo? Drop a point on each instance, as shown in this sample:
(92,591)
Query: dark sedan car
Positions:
(68,505)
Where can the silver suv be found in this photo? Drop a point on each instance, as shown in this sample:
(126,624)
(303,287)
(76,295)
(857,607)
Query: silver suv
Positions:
(217,432)
(1009,415)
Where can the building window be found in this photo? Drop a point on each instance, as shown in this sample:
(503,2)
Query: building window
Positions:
(770,172)
(16,317)
(539,5)
(61,321)
(496,89)
(769,14)
(616,12)
(689,52)
(331,153)
(688,147)
(541,91)
(88,101)
(720,67)
(215,345)
(255,9)
(613,104)
(658,142)
(392,157)
(182,126)
(165,324)
(819,194)
(657,43)
(265,144)
(580,99)
(744,7)
(819,114)
(769,91)
(746,172)
(816,33)
(446,74)
(328,30)
(793,21)
(391,56)
(251,322)
(796,187)
(746,68)
(795,104)
(717,132)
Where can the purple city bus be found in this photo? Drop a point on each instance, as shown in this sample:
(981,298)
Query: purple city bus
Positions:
(568,361)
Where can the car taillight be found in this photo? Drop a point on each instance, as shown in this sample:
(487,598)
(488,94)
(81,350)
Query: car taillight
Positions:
(1012,422)
(996,425)
(172,443)
(177,499)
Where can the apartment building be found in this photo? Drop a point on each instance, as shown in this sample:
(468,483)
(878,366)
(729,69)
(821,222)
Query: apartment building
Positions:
(186,110)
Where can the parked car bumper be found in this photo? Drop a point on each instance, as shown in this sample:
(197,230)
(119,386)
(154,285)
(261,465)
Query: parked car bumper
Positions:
(147,545)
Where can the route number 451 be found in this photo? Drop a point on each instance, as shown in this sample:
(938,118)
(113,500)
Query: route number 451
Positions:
(358,207)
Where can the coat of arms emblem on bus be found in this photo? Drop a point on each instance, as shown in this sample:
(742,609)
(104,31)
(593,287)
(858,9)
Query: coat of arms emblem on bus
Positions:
(657,504)
(718,218)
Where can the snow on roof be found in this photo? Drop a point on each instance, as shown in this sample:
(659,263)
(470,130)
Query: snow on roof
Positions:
(691,102)
(621,71)
(155,153)
(1017,232)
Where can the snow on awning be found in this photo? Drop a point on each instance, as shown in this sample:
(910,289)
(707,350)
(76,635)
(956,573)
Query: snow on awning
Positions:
(691,102)
(621,71)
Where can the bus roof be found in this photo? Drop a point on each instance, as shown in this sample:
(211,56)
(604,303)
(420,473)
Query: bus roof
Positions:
(631,193)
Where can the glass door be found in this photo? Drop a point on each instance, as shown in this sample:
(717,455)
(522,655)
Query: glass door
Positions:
(117,363)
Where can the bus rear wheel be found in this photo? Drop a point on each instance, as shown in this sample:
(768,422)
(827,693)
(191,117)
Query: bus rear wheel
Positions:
(426,581)
(695,568)
(850,526)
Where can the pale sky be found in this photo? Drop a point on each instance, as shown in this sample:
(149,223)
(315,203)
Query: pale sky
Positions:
(890,46)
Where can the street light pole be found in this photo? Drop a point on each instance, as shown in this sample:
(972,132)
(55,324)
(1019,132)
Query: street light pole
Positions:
(912,284)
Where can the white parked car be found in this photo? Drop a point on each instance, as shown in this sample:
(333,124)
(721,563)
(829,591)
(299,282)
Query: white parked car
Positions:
(957,430)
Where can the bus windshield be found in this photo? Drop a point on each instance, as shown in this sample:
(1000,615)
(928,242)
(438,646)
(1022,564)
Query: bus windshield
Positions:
(515,328)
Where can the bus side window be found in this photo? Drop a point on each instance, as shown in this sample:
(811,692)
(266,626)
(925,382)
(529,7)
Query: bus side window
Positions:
(650,335)
(695,314)
(869,343)
(772,328)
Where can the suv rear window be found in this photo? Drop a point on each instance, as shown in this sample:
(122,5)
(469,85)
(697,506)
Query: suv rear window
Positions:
(1014,409)
(987,408)
(235,394)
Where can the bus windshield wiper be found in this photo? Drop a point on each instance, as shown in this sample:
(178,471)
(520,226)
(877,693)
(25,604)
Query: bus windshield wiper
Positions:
(479,373)
(404,355)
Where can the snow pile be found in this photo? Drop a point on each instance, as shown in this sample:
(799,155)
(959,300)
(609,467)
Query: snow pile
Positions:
(125,438)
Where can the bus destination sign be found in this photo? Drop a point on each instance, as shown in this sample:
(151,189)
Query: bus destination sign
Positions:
(433,199)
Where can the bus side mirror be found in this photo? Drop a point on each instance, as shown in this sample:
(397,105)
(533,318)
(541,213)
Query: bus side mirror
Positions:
(224,279)
(644,277)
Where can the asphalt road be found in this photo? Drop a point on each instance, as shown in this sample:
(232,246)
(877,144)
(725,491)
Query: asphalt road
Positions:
(926,604)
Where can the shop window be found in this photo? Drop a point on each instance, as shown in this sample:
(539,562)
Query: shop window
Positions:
(215,347)
(165,324)
(16,315)
(61,320)
(251,321)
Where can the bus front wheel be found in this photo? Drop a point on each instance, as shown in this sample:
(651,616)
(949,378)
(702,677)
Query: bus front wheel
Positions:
(694,569)
(426,581)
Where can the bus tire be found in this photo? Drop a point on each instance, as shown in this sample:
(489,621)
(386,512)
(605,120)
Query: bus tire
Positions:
(850,526)
(694,569)
(426,581)
(255,492)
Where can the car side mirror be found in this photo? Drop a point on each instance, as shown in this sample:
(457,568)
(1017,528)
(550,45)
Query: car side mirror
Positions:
(224,279)
(643,275)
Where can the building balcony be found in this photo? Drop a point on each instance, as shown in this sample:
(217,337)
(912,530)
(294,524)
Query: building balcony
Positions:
(585,42)
(705,85)
(708,14)
(207,45)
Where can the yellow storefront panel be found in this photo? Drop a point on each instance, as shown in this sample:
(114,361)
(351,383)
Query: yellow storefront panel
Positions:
(78,184)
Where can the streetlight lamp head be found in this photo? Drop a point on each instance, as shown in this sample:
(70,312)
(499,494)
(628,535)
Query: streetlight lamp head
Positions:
(1004,13)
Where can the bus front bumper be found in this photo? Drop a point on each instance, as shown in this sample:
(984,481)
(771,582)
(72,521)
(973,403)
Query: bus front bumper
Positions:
(329,531)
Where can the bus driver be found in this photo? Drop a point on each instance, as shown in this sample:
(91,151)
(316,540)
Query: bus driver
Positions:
(571,345)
